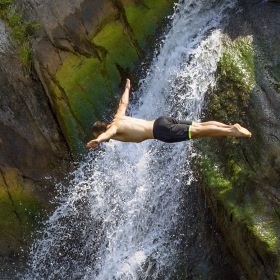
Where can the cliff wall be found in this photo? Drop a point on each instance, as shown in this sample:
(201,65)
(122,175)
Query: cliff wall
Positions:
(81,54)
(240,177)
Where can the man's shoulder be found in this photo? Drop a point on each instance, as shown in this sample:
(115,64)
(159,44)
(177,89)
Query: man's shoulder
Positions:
(116,123)
(119,119)
(120,123)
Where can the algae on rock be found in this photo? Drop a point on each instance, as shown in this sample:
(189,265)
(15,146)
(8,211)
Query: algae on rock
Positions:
(21,212)
(235,81)
(83,81)
(82,53)
(229,167)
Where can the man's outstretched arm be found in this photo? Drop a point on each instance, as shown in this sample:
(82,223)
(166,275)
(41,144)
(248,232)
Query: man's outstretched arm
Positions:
(103,137)
(124,100)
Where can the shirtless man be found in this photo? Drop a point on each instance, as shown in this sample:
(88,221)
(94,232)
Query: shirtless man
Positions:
(166,129)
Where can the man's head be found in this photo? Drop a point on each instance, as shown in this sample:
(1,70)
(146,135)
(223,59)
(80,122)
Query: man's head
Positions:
(98,128)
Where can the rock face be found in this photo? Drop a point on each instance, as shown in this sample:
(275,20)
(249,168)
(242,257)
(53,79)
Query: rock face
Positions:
(87,53)
(81,55)
(241,176)
(31,145)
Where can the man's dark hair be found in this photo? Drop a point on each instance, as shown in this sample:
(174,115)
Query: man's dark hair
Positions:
(99,127)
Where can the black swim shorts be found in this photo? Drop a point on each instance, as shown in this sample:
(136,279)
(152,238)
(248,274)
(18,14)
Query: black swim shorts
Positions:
(170,130)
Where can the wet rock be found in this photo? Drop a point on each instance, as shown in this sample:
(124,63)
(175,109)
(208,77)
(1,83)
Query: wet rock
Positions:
(82,53)
(87,54)
(241,176)
(31,146)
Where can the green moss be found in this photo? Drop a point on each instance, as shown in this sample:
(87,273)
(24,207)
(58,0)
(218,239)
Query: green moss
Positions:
(20,29)
(144,19)
(87,92)
(235,81)
(21,32)
(217,181)
(230,172)
(5,7)
(214,177)
(75,76)
(237,62)
(4,4)
(84,88)
(118,45)
(113,74)
(267,232)
(141,28)
(24,56)
(87,96)
(72,130)
(26,207)
(21,215)
(250,209)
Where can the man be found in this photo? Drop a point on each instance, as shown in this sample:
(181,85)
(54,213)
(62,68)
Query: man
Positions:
(167,129)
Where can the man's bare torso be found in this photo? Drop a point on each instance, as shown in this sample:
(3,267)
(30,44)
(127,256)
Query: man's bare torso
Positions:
(130,129)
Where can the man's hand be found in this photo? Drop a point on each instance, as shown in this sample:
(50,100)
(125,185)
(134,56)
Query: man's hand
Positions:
(91,145)
(127,85)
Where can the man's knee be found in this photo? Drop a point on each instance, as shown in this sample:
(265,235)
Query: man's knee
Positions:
(195,130)
(196,124)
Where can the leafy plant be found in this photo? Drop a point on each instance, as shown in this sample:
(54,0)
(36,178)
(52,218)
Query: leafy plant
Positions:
(4,6)
(20,29)
(24,57)
(21,32)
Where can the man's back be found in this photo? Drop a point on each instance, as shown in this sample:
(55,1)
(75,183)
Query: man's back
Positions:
(130,129)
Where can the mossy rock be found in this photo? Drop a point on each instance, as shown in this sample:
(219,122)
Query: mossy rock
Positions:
(144,18)
(229,168)
(235,81)
(250,227)
(21,214)
(86,89)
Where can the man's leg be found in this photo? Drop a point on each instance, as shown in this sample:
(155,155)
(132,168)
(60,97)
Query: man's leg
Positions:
(216,129)
(219,124)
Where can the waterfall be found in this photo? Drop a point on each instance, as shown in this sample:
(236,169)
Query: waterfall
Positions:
(118,218)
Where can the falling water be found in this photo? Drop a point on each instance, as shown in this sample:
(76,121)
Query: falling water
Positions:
(118,218)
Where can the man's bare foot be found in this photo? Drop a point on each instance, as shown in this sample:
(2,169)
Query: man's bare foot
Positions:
(239,131)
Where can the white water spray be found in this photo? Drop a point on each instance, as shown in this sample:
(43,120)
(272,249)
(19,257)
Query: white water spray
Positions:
(118,218)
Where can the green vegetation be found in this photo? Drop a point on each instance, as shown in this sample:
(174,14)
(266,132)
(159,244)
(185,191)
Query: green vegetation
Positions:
(249,208)
(24,56)
(237,62)
(4,7)
(21,32)
(229,168)
(143,19)
(89,84)
(235,81)
(87,88)
(21,212)
(88,94)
